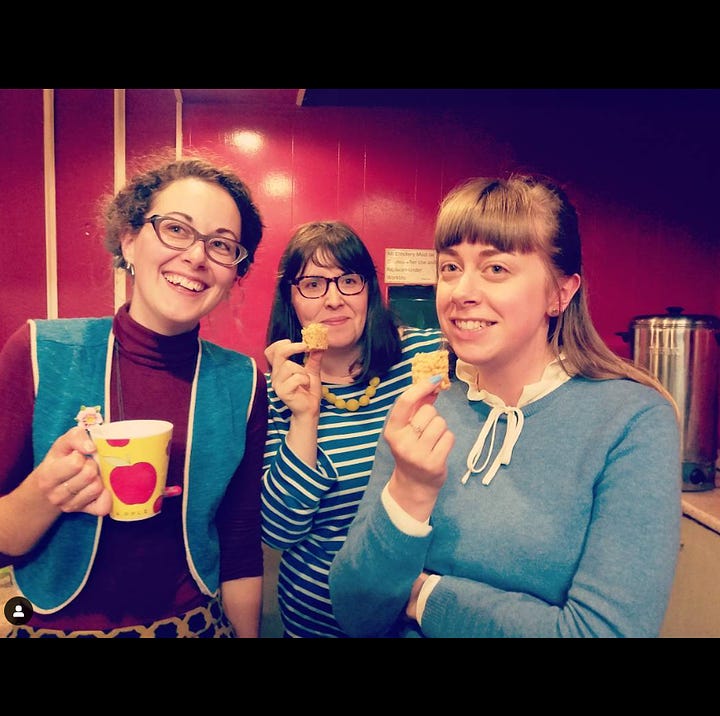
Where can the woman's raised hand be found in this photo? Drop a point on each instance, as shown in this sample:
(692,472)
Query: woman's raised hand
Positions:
(298,386)
(420,442)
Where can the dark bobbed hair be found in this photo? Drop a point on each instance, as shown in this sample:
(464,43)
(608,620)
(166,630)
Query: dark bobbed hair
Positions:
(525,213)
(327,244)
(129,206)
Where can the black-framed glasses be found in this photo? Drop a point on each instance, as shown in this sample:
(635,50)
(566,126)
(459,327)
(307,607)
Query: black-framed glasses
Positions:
(349,284)
(178,235)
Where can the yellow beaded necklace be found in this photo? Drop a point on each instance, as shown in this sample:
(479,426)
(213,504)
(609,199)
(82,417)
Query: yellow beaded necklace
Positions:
(353,403)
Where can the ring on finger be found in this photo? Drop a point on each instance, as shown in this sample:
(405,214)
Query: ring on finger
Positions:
(417,429)
(69,489)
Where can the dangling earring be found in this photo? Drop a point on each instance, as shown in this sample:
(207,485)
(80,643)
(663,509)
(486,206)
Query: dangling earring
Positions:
(130,268)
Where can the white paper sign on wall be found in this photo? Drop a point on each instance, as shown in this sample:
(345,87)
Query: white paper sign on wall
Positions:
(410,266)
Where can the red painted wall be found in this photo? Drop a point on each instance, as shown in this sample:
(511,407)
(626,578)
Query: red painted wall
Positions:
(644,180)
(383,171)
(644,184)
(22,216)
(83,171)
(149,122)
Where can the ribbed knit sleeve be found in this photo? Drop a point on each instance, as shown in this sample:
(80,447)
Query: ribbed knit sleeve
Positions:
(577,536)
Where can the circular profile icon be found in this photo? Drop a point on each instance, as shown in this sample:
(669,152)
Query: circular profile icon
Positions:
(18,611)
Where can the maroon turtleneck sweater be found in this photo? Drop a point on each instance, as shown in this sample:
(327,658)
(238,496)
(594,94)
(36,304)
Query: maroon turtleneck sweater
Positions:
(140,573)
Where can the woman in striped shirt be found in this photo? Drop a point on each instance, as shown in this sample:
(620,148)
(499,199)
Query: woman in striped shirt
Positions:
(327,409)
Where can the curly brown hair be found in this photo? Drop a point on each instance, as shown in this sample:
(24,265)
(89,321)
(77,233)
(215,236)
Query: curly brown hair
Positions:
(128,207)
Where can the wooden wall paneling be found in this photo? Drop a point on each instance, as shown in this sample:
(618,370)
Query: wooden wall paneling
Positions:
(22,209)
(468,150)
(316,157)
(84,163)
(149,127)
(600,281)
(644,182)
(378,156)
(350,129)
(215,130)
(241,322)
(122,283)
(149,123)
(613,161)
(269,173)
(390,180)
(648,174)
(428,179)
(51,283)
(432,152)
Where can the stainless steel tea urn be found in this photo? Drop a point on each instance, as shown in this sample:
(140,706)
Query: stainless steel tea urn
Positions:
(682,351)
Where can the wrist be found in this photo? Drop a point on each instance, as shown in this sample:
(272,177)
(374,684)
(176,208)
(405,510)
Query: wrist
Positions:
(417,499)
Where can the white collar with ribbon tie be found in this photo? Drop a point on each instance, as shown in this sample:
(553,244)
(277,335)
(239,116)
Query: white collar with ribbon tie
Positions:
(553,376)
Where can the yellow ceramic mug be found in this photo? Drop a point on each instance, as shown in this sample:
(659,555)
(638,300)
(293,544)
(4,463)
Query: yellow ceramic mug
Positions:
(133,457)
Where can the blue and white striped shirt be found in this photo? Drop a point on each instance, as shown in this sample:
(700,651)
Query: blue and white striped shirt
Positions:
(306,512)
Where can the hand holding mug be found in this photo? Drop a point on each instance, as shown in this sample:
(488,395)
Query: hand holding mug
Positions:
(69,478)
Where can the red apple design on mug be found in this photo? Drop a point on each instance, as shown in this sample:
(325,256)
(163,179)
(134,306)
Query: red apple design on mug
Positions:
(132,484)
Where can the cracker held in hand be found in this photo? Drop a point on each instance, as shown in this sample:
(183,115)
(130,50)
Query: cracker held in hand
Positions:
(315,336)
(426,365)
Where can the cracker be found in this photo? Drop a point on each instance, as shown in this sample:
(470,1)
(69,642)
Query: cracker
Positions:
(315,336)
(426,365)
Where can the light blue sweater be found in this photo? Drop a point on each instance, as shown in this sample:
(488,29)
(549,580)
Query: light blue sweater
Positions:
(577,536)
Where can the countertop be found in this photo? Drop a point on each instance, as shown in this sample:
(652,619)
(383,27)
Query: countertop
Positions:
(704,507)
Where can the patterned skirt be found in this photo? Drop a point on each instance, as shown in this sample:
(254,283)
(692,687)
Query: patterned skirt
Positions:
(206,622)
